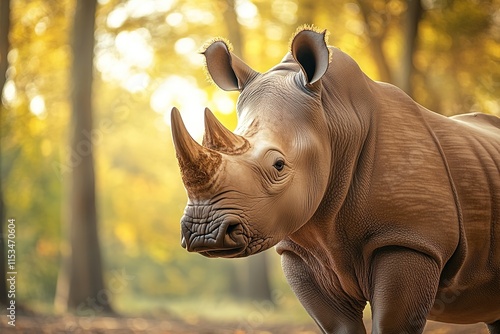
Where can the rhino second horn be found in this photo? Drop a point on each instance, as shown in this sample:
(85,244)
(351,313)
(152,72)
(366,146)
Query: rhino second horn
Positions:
(219,138)
(198,164)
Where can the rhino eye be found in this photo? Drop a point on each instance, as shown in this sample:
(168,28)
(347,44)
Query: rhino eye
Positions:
(279,165)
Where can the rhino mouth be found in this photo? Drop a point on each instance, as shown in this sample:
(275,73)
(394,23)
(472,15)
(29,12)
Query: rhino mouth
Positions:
(229,253)
(224,236)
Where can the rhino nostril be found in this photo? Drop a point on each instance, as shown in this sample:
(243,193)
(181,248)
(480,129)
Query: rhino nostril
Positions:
(231,229)
(233,234)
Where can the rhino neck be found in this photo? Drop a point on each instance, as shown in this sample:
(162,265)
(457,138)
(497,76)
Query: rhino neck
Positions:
(349,107)
(324,236)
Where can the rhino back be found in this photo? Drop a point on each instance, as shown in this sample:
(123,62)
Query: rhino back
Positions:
(483,122)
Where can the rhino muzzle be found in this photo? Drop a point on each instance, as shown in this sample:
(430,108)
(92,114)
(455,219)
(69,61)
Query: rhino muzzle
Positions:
(223,237)
(200,166)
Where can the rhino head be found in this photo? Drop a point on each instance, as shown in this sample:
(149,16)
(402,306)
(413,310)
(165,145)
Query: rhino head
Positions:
(250,189)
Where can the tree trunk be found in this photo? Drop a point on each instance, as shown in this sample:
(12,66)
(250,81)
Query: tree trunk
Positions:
(4,49)
(413,16)
(375,43)
(81,285)
(258,277)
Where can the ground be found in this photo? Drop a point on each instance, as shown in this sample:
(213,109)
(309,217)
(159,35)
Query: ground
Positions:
(36,323)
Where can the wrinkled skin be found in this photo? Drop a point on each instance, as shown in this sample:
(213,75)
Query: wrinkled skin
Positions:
(367,195)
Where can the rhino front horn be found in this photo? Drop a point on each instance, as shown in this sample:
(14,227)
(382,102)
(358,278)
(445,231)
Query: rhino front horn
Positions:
(220,139)
(198,164)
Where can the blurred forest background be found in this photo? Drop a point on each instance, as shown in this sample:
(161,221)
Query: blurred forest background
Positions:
(87,163)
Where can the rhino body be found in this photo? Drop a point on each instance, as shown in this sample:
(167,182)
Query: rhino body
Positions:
(367,195)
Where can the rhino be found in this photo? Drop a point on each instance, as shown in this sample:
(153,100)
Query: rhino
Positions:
(366,195)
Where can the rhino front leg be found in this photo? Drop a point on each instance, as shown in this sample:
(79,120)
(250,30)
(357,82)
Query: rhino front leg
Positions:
(403,288)
(330,315)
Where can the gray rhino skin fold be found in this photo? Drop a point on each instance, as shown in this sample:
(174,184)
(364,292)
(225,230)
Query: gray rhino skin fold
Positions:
(367,195)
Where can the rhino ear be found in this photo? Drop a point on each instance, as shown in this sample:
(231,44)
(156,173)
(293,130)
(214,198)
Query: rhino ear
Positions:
(227,71)
(309,49)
